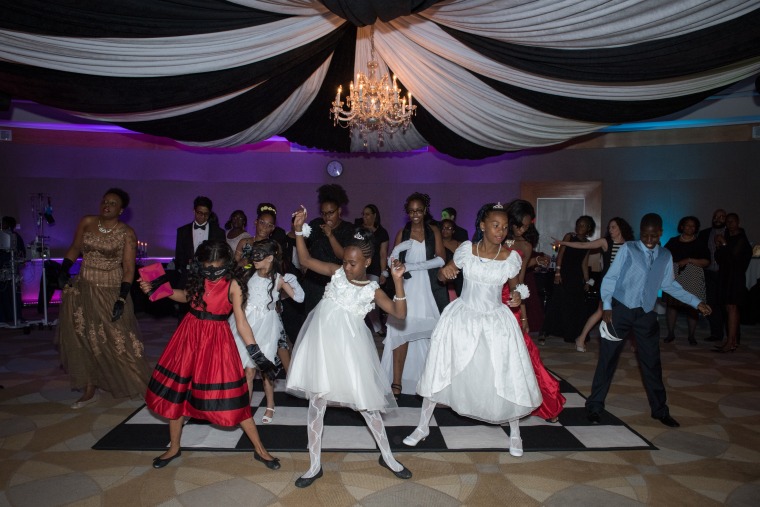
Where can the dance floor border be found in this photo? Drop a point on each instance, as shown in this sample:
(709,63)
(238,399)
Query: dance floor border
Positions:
(346,431)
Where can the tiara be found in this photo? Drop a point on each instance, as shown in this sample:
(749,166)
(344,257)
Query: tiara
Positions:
(359,236)
(498,205)
(268,208)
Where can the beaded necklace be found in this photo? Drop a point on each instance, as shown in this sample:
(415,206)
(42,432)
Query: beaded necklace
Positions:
(477,252)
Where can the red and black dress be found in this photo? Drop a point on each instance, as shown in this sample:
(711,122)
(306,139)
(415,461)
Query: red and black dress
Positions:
(553,400)
(200,374)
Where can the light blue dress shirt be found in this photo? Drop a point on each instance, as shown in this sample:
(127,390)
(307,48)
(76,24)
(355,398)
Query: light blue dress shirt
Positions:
(635,283)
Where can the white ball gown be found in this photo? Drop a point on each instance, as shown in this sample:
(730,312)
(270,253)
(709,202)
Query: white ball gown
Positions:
(421,318)
(335,357)
(478,363)
(261,314)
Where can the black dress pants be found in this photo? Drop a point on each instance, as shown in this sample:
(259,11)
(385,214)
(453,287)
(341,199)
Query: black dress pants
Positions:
(647,332)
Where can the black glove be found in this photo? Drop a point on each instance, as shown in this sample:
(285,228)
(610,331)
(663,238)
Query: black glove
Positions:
(157,282)
(265,366)
(118,306)
(63,274)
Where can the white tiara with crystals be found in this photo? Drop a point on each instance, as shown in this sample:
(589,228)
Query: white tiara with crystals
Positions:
(359,236)
(498,205)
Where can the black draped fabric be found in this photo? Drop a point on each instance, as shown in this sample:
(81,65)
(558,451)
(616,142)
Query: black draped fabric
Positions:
(129,18)
(487,77)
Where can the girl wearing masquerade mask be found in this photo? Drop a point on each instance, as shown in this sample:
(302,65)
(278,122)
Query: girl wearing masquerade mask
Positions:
(265,280)
(201,354)
(335,358)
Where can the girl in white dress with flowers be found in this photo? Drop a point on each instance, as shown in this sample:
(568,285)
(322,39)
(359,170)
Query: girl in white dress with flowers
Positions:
(478,363)
(264,282)
(335,359)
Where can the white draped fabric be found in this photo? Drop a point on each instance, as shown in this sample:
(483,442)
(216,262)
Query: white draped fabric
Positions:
(165,56)
(580,24)
(449,78)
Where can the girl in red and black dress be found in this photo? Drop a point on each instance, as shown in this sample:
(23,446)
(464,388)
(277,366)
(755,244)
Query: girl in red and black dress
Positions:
(521,215)
(200,374)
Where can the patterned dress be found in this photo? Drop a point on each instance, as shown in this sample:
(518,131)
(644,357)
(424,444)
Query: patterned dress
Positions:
(93,349)
(199,374)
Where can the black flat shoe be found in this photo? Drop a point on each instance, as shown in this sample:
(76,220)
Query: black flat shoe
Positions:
(669,421)
(271,464)
(404,473)
(692,341)
(670,338)
(593,417)
(305,482)
(161,463)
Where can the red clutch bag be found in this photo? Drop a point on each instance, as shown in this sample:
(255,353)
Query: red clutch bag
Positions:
(152,272)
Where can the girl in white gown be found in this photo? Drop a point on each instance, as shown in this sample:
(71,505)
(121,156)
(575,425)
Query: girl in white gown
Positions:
(335,358)
(478,363)
(264,283)
(420,247)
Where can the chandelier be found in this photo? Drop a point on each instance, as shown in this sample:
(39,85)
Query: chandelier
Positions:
(374,106)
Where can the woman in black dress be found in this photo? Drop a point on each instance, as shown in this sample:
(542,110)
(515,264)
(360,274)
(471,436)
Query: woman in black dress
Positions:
(566,311)
(733,254)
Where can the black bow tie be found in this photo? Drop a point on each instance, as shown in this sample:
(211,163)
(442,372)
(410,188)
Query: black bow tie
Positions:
(196,226)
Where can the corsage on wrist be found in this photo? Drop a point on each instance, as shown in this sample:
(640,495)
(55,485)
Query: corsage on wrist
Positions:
(523,290)
(590,282)
(305,231)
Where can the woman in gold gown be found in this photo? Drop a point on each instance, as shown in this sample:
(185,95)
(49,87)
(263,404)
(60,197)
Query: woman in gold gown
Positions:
(98,335)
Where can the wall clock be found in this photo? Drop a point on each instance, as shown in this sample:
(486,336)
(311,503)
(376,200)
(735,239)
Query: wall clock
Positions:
(334,168)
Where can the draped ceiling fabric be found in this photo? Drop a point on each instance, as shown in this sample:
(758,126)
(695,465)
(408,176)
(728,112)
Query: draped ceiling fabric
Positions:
(488,76)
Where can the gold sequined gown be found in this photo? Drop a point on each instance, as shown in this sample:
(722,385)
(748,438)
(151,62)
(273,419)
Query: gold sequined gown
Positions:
(93,349)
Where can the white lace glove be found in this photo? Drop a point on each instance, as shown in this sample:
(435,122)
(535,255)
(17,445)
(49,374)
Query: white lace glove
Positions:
(291,280)
(435,262)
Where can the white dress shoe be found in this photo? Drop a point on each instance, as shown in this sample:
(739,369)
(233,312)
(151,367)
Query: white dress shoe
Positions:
(416,437)
(515,446)
(81,404)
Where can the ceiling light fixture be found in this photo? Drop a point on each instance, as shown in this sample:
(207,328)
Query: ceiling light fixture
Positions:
(374,106)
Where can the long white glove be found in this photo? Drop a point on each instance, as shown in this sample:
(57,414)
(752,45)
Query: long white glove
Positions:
(401,247)
(291,280)
(435,262)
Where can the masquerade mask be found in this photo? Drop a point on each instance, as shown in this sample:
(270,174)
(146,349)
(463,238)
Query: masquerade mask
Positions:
(212,273)
(258,255)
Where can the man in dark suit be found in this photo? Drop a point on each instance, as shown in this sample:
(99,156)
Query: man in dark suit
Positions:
(707,238)
(193,234)
(460,234)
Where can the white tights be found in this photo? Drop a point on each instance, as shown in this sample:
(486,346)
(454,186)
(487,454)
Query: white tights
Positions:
(423,428)
(315,425)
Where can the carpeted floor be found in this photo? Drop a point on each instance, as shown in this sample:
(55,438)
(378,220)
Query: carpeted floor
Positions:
(713,459)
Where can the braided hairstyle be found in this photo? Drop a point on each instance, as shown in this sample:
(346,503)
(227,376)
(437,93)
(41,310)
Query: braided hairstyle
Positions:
(209,251)
(362,239)
(263,249)
(482,215)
